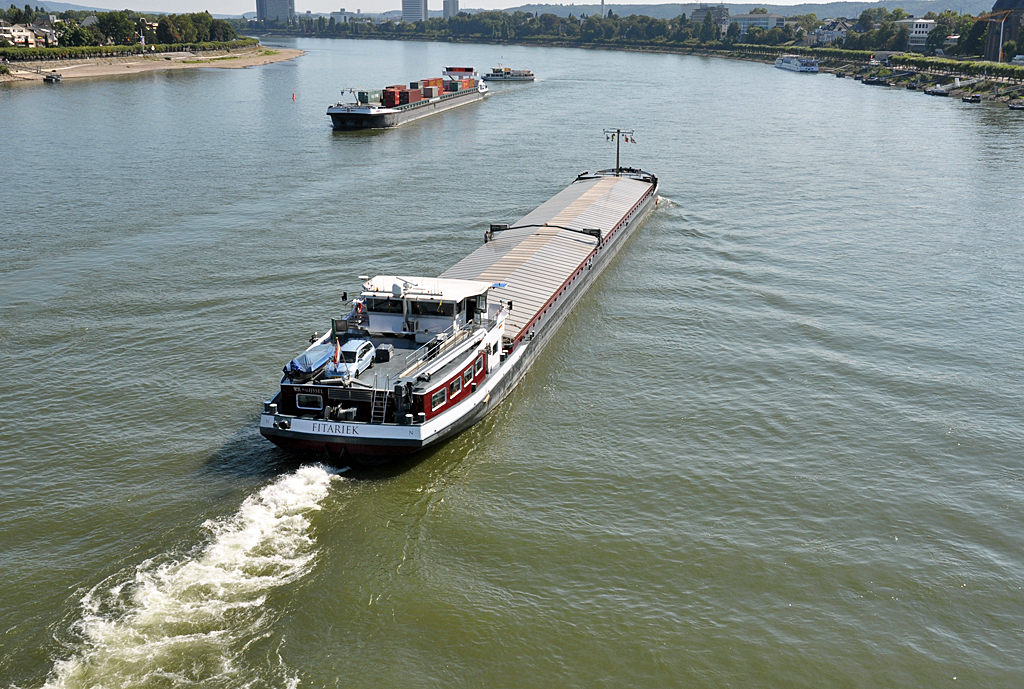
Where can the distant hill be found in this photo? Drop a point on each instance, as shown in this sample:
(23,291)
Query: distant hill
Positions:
(57,7)
(918,8)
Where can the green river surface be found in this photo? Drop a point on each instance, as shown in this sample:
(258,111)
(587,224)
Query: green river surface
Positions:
(778,444)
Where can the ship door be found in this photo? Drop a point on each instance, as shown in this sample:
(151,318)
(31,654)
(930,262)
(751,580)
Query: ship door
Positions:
(470,309)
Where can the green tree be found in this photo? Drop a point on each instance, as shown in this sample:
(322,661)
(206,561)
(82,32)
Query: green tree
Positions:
(117,28)
(70,34)
(945,26)
(167,31)
(185,27)
(807,22)
(972,41)
(1009,50)
(201,21)
(733,32)
(759,10)
(708,30)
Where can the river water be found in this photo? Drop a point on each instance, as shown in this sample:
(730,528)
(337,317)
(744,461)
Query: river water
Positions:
(777,445)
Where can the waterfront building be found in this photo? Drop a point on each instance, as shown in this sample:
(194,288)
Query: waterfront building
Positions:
(275,10)
(19,35)
(832,30)
(343,17)
(999,32)
(919,30)
(414,10)
(45,36)
(761,21)
(451,8)
(719,15)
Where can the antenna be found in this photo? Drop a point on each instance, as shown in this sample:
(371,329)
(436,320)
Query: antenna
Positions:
(617,135)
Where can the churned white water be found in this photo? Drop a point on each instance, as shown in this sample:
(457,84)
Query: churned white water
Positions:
(184,621)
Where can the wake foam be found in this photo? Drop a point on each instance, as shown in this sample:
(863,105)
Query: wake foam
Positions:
(187,621)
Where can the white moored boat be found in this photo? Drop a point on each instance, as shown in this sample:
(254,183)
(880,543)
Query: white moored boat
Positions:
(796,63)
(419,359)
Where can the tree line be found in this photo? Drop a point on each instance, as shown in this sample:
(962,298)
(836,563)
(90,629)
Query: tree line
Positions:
(124,28)
(875,29)
(521,26)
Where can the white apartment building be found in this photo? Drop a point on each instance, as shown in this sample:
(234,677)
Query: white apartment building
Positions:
(919,30)
(19,35)
(414,10)
(762,21)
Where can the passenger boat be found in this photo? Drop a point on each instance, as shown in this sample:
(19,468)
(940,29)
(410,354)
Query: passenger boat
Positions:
(418,359)
(797,63)
(500,73)
(393,106)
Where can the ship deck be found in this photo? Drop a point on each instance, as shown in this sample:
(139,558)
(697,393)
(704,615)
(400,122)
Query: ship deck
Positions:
(540,252)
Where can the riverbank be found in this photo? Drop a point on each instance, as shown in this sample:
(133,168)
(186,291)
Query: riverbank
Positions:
(35,71)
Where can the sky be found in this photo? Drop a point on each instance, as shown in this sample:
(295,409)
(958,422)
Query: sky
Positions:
(237,7)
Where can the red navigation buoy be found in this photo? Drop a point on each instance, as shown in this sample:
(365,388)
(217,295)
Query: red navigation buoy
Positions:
(293,96)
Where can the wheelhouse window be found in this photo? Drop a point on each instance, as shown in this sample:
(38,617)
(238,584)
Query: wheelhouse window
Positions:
(384,305)
(467,376)
(432,308)
(438,398)
(455,387)
(309,401)
(479,365)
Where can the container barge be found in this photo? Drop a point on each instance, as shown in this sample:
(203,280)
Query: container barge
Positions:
(395,105)
(419,359)
(500,73)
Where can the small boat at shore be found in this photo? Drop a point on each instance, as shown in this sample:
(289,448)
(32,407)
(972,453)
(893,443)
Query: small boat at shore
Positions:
(500,73)
(393,106)
(1016,104)
(797,63)
(52,78)
(973,98)
(875,81)
(418,360)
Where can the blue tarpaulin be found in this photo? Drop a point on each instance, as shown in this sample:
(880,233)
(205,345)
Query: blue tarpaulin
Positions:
(309,361)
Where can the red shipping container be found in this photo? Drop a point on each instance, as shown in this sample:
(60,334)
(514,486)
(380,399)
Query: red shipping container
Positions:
(410,96)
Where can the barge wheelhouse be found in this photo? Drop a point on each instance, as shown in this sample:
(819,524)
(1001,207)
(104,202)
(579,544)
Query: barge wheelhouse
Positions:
(446,350)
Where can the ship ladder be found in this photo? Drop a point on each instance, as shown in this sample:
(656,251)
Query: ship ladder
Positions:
(379,409)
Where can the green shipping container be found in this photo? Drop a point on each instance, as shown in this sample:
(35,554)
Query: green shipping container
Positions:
(369,96)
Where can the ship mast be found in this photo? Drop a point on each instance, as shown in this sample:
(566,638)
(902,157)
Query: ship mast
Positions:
(616,136)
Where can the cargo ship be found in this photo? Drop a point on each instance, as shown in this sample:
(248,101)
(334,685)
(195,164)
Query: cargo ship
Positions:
(500,73)
(417,360)
(395,105)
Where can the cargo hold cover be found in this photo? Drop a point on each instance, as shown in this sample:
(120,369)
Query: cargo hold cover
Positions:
(535,260)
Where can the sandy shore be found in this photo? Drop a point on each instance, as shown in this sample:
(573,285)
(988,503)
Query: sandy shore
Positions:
(108,66)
